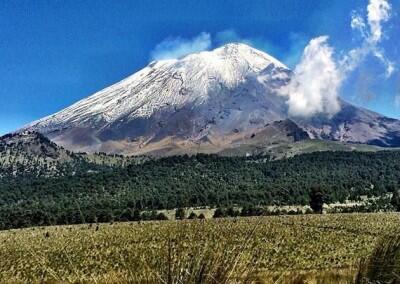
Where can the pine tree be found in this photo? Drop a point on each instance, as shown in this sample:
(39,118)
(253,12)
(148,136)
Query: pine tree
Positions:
(316,200)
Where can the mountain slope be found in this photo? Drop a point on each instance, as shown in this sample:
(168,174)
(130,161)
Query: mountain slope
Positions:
(212,101)
(356,125)
(32,154)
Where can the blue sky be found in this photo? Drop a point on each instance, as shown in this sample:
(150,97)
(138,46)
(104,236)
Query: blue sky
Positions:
(53,53)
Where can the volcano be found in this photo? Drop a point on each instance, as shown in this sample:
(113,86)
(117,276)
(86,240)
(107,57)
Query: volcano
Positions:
(210,102)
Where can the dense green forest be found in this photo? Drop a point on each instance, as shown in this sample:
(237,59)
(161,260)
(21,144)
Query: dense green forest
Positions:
(202,180)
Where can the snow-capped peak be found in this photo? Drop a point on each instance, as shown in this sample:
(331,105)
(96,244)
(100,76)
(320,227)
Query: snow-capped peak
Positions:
(208,101)
(174,82)
(247,52)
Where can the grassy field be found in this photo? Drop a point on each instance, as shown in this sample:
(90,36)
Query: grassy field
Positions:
(278,249)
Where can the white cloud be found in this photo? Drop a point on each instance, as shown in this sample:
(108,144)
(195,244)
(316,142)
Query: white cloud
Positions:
(389,65)
(378,12)
(357,23)
(353,58)
(316,81)
(177,47)
(390,69)
(318,77)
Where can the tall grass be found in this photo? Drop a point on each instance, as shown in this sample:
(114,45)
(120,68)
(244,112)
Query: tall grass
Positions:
(383,266)
(209,263)
(279,249)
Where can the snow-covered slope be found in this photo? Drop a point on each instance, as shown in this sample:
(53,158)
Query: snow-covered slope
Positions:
(208,101)
(191,80)
(212,93)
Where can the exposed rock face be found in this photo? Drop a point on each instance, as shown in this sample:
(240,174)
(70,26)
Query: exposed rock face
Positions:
(208,102)
(356,125)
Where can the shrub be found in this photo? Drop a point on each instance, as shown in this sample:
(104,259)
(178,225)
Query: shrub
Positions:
(162,216)
(231,212)
(252,211)
(219,213)
(180,214)
(192,216)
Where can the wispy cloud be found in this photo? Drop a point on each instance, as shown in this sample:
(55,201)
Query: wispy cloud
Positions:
(318,77)
(316,81)
(176,47)
(378,13)
(371,31)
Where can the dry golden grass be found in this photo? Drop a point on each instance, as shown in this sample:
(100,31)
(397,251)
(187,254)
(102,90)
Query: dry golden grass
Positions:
(383,265)
(279,249)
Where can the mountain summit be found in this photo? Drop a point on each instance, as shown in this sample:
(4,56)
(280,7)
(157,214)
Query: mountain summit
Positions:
(210,101)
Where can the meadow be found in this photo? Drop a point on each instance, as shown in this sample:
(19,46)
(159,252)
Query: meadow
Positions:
(274,249)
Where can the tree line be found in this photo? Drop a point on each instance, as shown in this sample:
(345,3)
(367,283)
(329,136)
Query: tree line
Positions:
(192,181)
